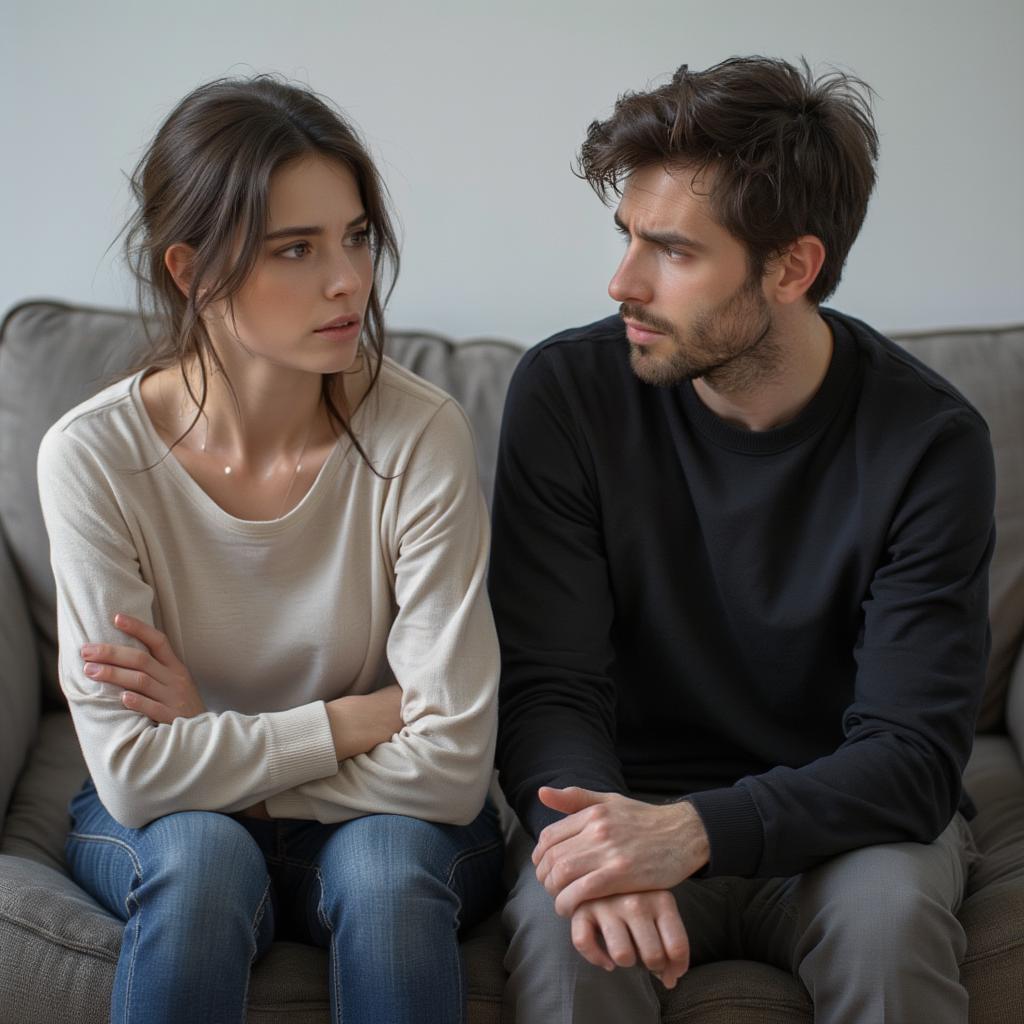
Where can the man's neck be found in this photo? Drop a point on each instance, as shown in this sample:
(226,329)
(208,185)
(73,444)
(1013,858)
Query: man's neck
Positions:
(774,393)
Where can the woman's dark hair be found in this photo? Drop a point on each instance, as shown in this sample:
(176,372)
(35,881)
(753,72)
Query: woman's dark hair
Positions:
(787,154)
(204,181)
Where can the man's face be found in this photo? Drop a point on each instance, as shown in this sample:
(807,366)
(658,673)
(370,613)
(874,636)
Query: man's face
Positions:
(690,306)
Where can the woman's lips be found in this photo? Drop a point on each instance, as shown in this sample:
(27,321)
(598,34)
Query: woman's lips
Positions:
(341,328)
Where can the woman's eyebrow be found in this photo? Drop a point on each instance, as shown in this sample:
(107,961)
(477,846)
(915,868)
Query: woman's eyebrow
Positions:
(309,229)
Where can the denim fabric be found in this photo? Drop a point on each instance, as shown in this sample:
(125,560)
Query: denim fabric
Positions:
(203,895)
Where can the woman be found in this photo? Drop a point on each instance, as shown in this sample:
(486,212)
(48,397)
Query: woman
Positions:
(297,520)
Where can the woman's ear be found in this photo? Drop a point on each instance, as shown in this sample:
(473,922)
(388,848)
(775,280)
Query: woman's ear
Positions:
(178,260)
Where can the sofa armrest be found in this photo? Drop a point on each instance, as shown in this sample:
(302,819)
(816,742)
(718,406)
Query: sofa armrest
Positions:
(20,693)
(1015,705)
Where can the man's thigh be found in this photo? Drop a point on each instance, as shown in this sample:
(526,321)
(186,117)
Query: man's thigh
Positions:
(873,931)
(548,981)
(869,889)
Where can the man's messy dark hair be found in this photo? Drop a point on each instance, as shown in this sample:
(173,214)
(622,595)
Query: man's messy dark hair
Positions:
(783,153)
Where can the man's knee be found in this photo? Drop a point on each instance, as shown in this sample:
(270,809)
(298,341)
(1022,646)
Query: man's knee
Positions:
(887,900)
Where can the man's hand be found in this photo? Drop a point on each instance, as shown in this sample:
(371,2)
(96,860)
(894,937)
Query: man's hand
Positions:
(360,721)
(613,931)
(155,682)
(612,844)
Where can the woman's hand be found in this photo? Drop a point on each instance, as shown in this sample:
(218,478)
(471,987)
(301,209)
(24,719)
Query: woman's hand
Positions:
(361,721)
(155,682)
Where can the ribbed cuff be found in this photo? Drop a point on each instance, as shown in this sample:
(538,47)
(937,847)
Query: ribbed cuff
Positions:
(300,747)
(734,830)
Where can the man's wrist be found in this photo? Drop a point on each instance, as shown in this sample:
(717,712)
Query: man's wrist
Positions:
(694,843)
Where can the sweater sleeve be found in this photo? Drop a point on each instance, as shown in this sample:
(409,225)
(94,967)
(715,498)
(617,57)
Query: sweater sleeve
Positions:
(143,770)
(441,648)
(921,660)
(553,603)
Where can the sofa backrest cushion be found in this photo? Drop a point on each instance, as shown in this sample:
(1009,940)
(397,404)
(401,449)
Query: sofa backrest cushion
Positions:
(987,366)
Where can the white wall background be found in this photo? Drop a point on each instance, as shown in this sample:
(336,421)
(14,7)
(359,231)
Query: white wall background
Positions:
(475,109)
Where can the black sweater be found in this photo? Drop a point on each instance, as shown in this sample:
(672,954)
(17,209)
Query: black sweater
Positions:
(788,626)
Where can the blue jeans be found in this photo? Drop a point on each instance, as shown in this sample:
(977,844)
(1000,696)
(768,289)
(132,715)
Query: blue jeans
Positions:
(203,895)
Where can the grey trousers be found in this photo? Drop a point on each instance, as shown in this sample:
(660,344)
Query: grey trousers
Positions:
(872,935)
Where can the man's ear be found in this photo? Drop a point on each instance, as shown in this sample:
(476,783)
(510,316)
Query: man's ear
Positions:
(797,268)
(179,259)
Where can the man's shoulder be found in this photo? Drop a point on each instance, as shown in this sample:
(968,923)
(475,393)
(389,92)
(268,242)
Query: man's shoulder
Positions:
(582,346)
(897,381)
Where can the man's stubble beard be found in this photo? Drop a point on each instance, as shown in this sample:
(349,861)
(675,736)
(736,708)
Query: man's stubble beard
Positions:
(733,347)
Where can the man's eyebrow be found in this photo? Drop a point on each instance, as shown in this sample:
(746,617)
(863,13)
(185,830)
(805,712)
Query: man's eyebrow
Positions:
(310,229)
(669,239)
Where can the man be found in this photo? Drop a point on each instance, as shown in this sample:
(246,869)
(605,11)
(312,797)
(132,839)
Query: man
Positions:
(739,571)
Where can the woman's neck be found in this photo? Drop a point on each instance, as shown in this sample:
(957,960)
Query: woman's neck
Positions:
(264,415)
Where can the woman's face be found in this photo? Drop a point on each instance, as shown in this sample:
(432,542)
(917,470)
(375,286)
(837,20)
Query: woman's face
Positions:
(303,304)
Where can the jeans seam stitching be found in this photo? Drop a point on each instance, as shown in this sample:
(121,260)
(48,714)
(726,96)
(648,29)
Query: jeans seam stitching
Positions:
(135,921)
(466,854)
(330,931)
(257,919)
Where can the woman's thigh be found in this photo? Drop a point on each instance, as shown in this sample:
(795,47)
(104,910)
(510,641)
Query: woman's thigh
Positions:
(195,862)
(390,868)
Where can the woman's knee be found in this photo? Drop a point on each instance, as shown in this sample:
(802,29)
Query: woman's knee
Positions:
(390,865)
(201,858)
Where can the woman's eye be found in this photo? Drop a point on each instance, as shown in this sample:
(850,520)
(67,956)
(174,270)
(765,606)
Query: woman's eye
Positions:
(296,251)
(359,238)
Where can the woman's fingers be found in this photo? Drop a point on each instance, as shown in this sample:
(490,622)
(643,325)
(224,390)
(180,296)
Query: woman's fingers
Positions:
(154,673)
(157,642)
(126,678)
(122,656)
(152,709)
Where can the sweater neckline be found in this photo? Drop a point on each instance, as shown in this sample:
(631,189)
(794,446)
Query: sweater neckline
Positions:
(206,504)
(814,416)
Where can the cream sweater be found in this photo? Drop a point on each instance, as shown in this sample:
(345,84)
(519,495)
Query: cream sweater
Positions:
(368,580)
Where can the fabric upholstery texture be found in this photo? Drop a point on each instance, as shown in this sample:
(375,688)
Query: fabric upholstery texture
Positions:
(987,367)
(19,675)
(58,948)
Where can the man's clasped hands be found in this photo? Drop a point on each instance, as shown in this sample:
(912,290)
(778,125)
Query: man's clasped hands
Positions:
(610,865)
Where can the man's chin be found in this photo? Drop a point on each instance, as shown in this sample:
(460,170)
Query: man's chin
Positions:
(656,368)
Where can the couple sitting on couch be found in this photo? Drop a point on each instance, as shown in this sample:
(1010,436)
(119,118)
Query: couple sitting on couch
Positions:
(739,577)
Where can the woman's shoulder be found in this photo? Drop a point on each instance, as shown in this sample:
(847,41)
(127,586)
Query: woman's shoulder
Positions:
(407,412)
(404,404)
(401,387)
(107,426)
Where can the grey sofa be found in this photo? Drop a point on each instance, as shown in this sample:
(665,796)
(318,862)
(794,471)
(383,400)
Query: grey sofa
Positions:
(58,948)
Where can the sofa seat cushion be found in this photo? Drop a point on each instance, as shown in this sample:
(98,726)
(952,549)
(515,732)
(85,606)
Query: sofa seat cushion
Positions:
(993,912)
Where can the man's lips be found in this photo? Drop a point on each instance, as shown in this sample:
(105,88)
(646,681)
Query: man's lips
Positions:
(641,334)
